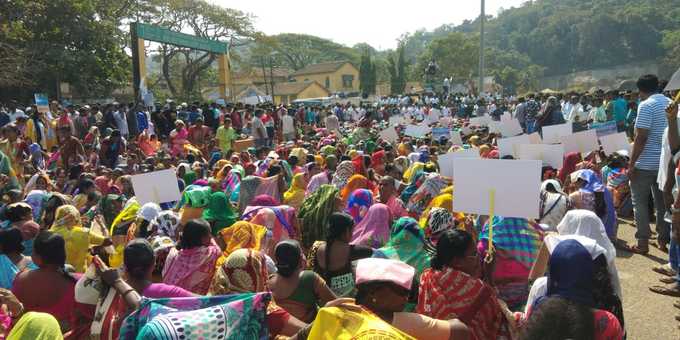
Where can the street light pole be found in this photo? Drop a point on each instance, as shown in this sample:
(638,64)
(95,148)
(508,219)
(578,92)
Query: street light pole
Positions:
(481,49)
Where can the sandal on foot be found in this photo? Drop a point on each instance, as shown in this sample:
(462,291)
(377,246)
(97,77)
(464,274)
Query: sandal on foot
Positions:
(665,291)
(664,270)
(667,280)
(639,250)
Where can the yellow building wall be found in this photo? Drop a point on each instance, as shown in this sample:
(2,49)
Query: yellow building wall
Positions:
(335,79)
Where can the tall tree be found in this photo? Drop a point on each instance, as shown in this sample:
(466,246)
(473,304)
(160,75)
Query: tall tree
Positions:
(75,41)
(203,20)
(295,51)
(367,74)
(397,68)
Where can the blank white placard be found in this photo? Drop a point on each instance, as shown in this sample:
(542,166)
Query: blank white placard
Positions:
(550,154)
(510,145)
(158,187)
(516,185)
(510,128)
(552,133)
(389,134)
(446,161)
(583,142)
(615,142)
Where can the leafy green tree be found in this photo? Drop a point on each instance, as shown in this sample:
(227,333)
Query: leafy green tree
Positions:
(182,68)
(75,41)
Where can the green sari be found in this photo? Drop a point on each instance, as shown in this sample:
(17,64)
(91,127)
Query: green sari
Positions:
(219,212)
(314,214)
(407,244)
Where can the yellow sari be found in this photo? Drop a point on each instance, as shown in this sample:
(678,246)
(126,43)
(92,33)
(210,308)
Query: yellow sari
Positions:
(296,194)
(78,239)
(128,214)
(343,323)
(241,235)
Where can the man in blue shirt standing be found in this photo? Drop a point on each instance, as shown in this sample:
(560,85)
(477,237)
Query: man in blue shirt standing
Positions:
(644,164)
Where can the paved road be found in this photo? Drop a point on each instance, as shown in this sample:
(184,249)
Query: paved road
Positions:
(648,315)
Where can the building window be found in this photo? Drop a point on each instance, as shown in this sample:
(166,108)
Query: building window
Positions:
(347,80)
(328,82)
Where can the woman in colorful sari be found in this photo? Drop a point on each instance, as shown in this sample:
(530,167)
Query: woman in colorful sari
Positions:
(245,271)
(36,326)
(604,291)
(12,261)
(407,243)
(192,264)
(78,239)
(314,214)
(591,194)
(219,212)
(569,310)
(568,166)
(111,306)
(178,138)
(280,222)
(232,185)
(240,235)
(297,290)
(50,288)
(342,174)
(354,183)
(296,194)
(333,258)
(452,288)
(383,290)
(358,204)
(433,183)
(374,229)
(516,243)
(253,186)
(193,202)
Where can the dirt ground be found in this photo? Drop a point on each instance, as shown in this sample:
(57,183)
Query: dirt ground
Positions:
(647,315)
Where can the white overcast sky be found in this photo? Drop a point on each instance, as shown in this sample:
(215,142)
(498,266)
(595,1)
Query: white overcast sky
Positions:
(377,22)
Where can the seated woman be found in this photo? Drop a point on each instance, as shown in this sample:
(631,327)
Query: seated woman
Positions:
(229,279)
(554,204)
(12,261)
(191,265)
(358,204)
(49,289)
(383,290)
(110,312)
(67,223)
(333,259)
(374,229)
(586,224)
(605,296)
(568,311)
(590,194)
(297,290)
(452,288)
(20,216)
(28,325)
(516,243)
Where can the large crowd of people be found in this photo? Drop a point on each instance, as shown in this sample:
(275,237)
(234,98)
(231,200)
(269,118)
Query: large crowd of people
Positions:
(302,222)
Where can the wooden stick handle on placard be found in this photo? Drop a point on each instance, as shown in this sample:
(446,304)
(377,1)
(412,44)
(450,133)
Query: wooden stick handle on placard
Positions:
(676,100)
(490,253)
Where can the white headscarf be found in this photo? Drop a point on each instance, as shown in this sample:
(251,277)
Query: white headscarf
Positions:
(540,286)
(586,223)
(149,211)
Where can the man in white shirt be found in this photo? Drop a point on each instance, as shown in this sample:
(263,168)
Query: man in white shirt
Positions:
(288,127)
(332,123)
(258,130)
(572,110)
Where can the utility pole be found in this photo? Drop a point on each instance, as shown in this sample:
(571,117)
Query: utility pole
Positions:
(482,18)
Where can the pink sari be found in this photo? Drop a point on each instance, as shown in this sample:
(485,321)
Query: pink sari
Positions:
(374,229)
(191,269)
(178,140)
